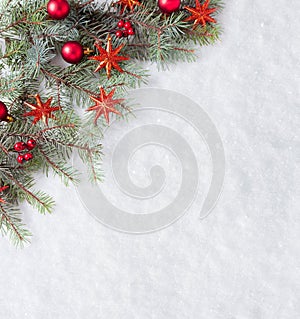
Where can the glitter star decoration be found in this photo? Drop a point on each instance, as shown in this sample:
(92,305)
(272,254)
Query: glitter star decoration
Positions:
(109,57)
(201,13)
(105,104)
(41,111)
(127,4)
(2,189)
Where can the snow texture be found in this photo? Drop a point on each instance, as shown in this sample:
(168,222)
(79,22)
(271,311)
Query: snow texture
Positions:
(243,260)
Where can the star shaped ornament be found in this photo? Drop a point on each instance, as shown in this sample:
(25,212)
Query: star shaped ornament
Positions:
(2,189)
(105,104)
(41,111)
(128,4)
(109,57)
(201,13)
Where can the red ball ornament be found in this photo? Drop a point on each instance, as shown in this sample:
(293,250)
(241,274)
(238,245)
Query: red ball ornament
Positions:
(31,144)
(168,6)
(72,52)
(20,159)
(28,157)
(58,9)
(3,111)
(20,146)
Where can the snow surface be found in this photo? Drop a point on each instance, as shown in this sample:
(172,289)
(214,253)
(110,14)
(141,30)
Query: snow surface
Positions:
(243,260)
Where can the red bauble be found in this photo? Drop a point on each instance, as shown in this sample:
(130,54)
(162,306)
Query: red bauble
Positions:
(31,144)
(20,146)
(168,6)
(72,52)
(58,9)
(28,157)
(3,111)
(20,159)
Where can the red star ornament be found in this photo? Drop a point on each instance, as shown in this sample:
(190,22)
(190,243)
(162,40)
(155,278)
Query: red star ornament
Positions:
(3,188)
(41,111)
(201,13)
(109,57)
(105,104)
(128,4)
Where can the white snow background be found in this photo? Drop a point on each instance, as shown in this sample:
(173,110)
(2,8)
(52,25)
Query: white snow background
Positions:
(243,260)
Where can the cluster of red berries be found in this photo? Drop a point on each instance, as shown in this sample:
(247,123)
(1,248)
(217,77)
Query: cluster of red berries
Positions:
(21,146)
(126,29)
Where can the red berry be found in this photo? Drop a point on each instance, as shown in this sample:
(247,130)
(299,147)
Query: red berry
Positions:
(31,144)
(125,33)
(20,146)
(119,34)
(20,159)
(130,31)
(127,25)
(28,156)
(121,24)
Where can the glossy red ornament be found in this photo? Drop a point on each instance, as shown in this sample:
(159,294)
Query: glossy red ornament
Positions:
(168,6)
(20,146)
(3,112)
(31,144)
(20,159)
(58,9)
(72,52)
(28,157)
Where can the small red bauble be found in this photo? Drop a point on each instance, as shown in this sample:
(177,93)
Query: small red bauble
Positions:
(119,34)
(168,6)
(125,33)
(20,146)
(3,111)
(28,157)
(31,144)
(127,25)
(72,52)
(130,31)
(58,9)
(20,159)
(121,24)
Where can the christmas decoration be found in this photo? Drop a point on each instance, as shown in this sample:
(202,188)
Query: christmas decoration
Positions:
(72,52)
(201,13)
(168,6)
(31,144)
(2,189)
(121,24)
(58,9)
(32,35)
(125,29)
(20,146)
(109,58)
(20,159)
(104,105)
(28,157)
(41,111)
(4,116)
(127,4)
